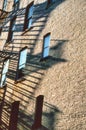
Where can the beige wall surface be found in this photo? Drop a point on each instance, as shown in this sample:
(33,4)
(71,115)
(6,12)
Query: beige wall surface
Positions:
(62,77)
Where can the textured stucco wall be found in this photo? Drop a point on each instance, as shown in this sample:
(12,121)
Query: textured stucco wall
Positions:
(62,77)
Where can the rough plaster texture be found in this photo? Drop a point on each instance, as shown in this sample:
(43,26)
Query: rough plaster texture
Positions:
(62,77)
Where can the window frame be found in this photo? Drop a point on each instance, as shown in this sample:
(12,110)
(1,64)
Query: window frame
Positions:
(43,58)
(5,60)
(16,5)
(5,5)
(0,31)
(19,70)
(26,21)
(10,33)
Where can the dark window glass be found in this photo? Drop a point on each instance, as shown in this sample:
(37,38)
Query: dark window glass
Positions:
(0,31)
(16,5)
(11,30)
(28,18)
(5,5)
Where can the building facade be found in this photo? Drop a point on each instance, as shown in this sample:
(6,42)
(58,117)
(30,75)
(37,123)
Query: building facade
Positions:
(54,33)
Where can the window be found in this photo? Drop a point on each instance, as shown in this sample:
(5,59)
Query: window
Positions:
(50,1)
(5,5)
(46,43)
(11,30)
(16,5)
(28,18)
(21,63)
(0,31)
(4,72)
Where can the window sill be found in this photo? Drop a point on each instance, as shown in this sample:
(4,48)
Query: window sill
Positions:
(26,30)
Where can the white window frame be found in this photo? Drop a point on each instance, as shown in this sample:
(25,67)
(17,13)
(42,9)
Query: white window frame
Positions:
(4,72)
(21,63)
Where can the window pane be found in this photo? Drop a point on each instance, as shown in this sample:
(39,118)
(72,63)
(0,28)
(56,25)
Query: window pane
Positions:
(5,67)
(5,4)
(30,11)
(22,61)
(16,1)
(3,80)
(46,52)
(13,27)
(0,31)
(4,71)
(46,45)
(16,4)
(12,36)
(29,23)
(46,41)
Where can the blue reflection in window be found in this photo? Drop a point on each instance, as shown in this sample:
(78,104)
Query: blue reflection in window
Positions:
(46,45)
(29,17)
(22,60)
(5,5)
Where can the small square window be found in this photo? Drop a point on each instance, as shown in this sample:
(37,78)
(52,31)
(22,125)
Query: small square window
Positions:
(46,44)
(21,63)
(4,72)
(28,17)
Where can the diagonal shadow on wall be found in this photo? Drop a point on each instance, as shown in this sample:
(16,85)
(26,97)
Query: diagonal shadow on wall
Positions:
(35,70)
